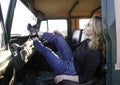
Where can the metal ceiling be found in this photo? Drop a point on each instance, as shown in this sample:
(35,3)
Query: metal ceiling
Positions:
(62,8)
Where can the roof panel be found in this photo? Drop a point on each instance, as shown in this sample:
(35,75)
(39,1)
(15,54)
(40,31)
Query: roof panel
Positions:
(61,8)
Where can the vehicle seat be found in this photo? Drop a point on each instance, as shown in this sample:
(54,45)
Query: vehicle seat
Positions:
(98,80)
(95,81)
(76,36)
(75,39)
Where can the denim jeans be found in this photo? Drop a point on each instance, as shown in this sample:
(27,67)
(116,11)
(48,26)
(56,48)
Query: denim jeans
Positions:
(62,64)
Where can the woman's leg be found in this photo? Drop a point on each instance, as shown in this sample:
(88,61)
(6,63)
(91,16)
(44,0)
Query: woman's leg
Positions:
(61,44)
(57,64)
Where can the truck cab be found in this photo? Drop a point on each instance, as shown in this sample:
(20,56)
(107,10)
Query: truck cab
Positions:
(22,64)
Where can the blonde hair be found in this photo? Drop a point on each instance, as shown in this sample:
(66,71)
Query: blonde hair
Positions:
(97,40)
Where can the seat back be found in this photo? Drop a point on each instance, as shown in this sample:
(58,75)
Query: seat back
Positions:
(76,37)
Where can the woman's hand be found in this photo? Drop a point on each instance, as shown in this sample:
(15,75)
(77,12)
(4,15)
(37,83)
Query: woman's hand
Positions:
(59,78)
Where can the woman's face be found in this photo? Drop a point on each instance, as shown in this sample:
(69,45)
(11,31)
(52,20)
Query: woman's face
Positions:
(88,30)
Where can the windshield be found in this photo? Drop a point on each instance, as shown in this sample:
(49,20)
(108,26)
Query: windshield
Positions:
(22,17)
(4,6)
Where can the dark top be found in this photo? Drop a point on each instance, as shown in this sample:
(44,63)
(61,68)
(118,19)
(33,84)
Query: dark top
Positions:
(86,61)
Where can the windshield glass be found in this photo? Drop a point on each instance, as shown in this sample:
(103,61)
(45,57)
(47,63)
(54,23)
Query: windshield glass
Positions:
(4,6)
(22,17)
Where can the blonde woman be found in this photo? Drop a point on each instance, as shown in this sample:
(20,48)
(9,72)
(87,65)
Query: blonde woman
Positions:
(78,66)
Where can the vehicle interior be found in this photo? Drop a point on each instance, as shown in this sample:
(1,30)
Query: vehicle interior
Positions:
(27,66)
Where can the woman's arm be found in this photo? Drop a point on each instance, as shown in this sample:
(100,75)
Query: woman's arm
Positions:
(59,78)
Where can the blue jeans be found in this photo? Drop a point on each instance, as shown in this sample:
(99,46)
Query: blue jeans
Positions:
(62,64)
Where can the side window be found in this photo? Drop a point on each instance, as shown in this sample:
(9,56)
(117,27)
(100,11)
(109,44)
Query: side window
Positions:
(83,22)
(117,17)
(22,16)
(51,25)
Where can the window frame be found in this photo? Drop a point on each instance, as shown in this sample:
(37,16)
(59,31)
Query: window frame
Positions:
(4,33)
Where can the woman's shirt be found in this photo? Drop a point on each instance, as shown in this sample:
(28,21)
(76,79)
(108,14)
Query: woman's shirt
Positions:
(86,61)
